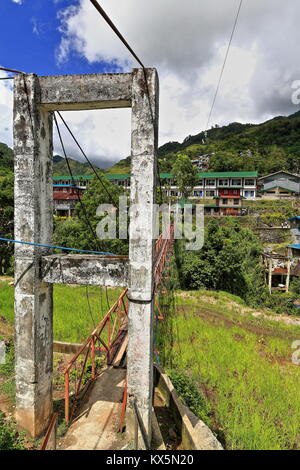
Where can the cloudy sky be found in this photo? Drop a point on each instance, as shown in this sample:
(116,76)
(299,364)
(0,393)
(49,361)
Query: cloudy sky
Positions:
(185,41)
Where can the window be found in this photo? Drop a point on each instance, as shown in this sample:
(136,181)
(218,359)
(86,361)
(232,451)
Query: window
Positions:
(225,191)
(235,192)
(224,202)
(236,202)
(223,182)
(210,193)
(200,183)
(210,182)
(249,182)
(236,182)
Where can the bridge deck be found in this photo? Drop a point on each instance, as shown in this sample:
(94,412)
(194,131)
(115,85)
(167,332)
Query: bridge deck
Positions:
(96,427)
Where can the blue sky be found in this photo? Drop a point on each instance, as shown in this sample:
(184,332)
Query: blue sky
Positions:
(185,41)
(30,36)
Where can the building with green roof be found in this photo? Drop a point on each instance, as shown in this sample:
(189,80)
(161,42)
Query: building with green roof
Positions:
(231,184)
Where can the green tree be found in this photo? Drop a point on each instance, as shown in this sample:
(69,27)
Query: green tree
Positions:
(226,161)
(185,174)
(229,261)
(6,221)
(80,232)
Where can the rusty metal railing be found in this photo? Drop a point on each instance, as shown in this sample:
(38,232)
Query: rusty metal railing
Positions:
(163,249)
(49,441)
(103,339)
(105,336)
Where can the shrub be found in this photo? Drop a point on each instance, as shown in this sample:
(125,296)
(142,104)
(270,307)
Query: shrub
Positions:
(191,395)
(10,439)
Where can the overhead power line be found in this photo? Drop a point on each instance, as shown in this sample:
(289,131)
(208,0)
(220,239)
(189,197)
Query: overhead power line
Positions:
(224,63)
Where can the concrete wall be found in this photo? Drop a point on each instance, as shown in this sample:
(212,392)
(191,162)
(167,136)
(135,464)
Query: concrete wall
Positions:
(195,435)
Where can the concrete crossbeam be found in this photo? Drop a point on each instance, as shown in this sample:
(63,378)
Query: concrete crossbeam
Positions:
(92,270)
(96,91)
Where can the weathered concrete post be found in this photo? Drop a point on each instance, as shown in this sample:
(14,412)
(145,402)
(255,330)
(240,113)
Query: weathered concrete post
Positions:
(33,223)
(141,245)
(270,274)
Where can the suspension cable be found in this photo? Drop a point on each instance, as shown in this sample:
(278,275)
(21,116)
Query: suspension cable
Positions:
(88,160)
(73,181)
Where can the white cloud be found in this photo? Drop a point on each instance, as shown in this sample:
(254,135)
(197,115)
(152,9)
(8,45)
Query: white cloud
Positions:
(6,105)
(103,134)
(187,43)
(18,1)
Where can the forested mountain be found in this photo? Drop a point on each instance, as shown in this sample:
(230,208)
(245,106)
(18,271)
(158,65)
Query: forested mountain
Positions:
(6,160)
(266,147)
(60,166)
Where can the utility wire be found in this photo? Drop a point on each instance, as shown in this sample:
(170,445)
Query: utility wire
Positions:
(89,162)
(73,181)
(56,247)
(224,64)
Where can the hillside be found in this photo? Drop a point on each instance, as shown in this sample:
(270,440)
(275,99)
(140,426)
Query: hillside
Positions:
(6,159)
(266,147)
(270,146)
(60,166)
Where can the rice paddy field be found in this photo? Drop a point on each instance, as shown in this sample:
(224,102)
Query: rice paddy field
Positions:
(240,361)
(76,309)
(242,364)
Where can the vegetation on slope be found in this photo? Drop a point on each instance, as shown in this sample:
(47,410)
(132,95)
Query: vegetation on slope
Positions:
(60,166)
(271,146)
(242,365)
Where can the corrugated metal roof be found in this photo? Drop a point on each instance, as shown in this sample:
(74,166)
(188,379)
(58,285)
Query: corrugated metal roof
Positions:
(225,174)
(66,186)
(75,177)
(117,177)
(229,174)
(279,187)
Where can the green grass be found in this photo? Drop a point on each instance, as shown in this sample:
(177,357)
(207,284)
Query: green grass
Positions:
(72,319)
(243,364)
(7,372)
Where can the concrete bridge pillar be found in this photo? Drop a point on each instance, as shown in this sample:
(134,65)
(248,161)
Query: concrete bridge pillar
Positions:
(141,245)
(33,223)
